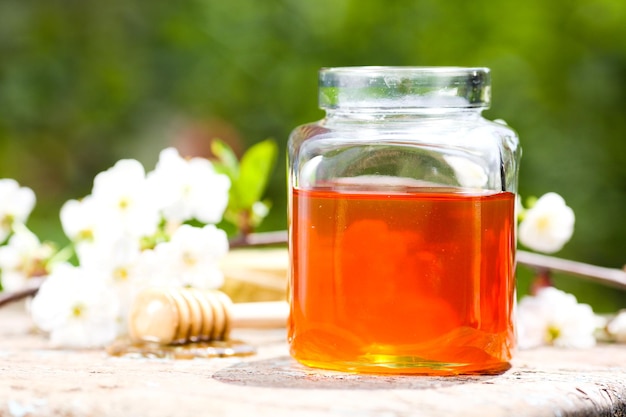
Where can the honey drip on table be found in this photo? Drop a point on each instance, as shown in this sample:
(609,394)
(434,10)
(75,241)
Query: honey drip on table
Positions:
(206,350)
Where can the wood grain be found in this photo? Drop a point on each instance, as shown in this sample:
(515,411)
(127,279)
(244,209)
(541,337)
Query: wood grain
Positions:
(38,381)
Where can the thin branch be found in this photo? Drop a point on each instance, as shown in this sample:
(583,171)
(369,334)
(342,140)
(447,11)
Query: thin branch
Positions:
(251,239)
(30,290)
(259,239)
(607,276)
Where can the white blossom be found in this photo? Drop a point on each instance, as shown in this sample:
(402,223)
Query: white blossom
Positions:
(189,189)
(16,204)
(115,261)
(260,210)
(83,223)
(23,257)
(86,306)
(548,225)
(192,256)
(153,270)
(553,317)
(76,307)
(124,202)
(616,327)
(469,174)
(80,219)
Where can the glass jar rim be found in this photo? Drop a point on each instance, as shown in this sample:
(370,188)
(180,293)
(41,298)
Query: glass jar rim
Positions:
(380,87)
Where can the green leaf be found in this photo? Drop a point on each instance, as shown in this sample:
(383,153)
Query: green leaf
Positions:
(254,172)
(531,201)
(227,160)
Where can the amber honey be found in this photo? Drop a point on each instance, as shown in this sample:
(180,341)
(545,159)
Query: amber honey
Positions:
(415,281)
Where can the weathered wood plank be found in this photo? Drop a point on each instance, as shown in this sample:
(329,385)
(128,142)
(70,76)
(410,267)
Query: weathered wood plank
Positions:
(36,380)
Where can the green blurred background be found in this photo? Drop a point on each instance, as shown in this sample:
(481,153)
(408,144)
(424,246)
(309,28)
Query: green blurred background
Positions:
(85,83)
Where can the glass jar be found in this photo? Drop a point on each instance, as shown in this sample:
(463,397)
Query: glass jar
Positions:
(402,225)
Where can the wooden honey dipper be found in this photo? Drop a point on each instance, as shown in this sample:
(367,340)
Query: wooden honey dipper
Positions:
(181,315)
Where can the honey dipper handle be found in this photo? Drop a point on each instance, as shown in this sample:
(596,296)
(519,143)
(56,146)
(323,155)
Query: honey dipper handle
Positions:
(259,315)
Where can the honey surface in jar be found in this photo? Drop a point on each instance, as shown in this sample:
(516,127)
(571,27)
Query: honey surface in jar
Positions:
(417,281)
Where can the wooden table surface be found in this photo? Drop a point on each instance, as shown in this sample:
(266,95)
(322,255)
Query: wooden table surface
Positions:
(39,381)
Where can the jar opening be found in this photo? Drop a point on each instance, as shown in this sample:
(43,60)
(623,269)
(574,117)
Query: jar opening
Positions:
(365,88)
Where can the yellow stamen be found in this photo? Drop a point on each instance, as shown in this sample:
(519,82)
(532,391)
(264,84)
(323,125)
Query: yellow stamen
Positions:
(85,235)
(78,310)
(124,203)
(189,259)
(7,221)
(120,274)
(553,333)
(543,223)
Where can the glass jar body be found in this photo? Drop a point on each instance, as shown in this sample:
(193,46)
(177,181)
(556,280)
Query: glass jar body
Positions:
(402,232)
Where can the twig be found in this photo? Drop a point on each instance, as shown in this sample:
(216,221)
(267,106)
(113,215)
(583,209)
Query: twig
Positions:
(259,239)
(251,239)
(30,290)
(607,276)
